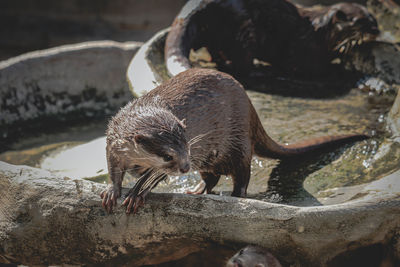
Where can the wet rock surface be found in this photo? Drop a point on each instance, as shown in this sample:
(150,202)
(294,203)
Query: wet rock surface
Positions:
(376,59)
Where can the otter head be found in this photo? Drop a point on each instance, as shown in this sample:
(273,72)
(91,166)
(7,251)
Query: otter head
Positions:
(160,143)
(346,25)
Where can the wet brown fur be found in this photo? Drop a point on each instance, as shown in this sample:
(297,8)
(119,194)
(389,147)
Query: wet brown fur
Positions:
(208,107)
(342,25)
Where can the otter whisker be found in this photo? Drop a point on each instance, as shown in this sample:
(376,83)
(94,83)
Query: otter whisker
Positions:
(145,173)
(154,184)
(199,137)
(150,178)
(146,158)
(192,142)
(341,45)
(149,157)
(138,187)
(152,181)
(198,156)
(196,165)
(197,161)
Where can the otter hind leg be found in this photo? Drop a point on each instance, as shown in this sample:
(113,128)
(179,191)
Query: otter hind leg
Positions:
(208,183)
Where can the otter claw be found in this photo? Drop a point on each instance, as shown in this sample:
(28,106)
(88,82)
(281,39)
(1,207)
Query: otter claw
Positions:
(139,202)
(134,202)
(128,208)
(110,202)
(109,199)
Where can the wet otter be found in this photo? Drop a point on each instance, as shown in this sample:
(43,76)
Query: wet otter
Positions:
(342,25)
(201,120)
(296,41)
(253,256)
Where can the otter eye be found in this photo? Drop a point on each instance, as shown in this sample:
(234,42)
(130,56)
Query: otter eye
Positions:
(167,158)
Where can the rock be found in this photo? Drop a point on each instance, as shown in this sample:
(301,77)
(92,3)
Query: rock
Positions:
(46,219)
(81,81)
(146,70)
(33,83)
(386,187)
(378,59)
(387,13)
(393,120)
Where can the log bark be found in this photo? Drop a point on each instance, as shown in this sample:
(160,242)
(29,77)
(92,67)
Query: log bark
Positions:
(47,220)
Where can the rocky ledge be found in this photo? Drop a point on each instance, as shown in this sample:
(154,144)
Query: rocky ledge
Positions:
(47,220)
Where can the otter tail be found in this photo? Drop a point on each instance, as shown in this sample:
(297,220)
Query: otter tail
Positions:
(264,146)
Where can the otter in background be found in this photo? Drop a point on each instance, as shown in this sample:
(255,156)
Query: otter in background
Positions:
(295,41)
(253,256)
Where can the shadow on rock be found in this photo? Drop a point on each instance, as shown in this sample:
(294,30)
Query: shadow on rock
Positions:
(287,178)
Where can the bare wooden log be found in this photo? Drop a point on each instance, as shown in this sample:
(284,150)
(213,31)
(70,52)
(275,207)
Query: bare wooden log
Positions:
(45,220)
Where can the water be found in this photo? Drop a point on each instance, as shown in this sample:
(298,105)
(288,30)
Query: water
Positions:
(67,151)
(79,151)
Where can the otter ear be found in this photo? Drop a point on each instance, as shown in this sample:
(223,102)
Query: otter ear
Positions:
(139,138)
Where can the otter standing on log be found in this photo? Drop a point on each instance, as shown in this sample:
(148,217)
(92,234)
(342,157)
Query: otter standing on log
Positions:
(296,41)
(199,120)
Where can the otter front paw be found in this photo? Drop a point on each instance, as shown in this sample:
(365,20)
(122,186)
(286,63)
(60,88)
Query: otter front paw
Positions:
(133,201)
(109,198)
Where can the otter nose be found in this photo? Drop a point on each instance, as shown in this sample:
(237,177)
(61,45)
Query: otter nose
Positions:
(184,168)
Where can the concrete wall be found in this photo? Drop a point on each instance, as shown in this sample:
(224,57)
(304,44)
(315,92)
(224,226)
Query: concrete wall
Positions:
(45,89)
(27,25)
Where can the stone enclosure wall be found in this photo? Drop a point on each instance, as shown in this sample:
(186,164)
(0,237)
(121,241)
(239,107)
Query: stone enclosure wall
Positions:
(31,25)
